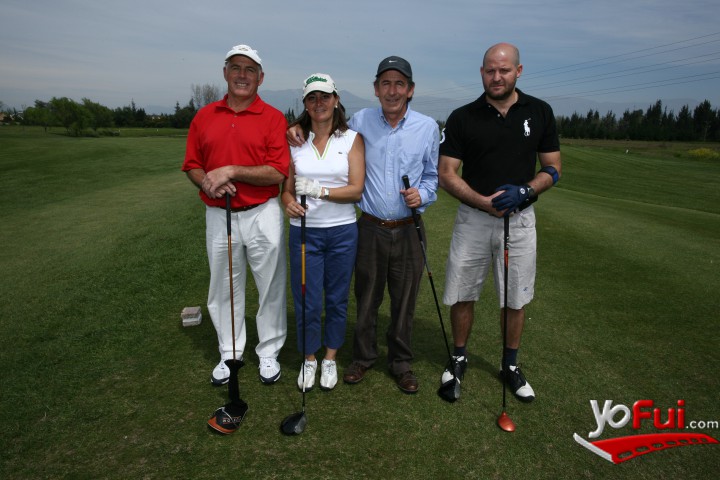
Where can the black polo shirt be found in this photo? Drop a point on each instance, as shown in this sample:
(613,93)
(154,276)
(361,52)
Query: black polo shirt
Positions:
(497,150)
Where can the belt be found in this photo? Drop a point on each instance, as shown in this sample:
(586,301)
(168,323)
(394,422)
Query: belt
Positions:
(485,211)
(389,223)
(243,209)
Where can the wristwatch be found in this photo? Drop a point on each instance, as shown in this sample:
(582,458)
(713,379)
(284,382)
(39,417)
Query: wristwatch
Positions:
(326,193)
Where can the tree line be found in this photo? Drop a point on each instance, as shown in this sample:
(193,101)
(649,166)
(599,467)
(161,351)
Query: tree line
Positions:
(702,124)
(91,118)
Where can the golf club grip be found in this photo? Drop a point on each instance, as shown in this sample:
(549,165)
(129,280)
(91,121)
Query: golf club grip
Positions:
(228,210)
(406,182)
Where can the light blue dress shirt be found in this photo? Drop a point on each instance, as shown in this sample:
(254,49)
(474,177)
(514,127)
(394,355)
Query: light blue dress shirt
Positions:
(411,148)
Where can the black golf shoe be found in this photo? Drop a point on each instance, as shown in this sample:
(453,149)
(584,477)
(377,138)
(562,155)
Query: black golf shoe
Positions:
(518,385)
(454,369)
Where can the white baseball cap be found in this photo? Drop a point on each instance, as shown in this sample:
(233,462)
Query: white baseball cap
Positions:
(246,51)
(318,82)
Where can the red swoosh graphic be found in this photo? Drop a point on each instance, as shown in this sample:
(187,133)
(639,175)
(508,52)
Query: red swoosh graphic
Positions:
(622,449)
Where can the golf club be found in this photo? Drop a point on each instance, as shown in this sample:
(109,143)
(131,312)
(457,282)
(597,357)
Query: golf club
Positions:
(450,390)
(294,424)
(504,421)
(227,418)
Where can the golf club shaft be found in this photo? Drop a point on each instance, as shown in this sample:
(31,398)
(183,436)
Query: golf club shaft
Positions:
(228,212)
(406,181)
(303,199)
(506,240)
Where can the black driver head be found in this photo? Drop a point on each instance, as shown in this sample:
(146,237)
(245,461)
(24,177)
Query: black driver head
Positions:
(294,424)
(450,390)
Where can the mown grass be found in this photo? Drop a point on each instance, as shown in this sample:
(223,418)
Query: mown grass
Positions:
(103,245)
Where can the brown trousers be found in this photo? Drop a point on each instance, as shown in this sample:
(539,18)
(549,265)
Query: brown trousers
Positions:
(391,256)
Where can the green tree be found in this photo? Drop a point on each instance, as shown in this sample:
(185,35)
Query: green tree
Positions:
(38,115)
(608,125)
(71,115)
(631,124)
(684,124)
(183,116)
(100,115)
(129,116)
(703,118)
(652,123)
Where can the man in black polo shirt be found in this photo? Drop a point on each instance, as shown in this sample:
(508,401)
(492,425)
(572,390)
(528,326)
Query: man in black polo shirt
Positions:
(498,139)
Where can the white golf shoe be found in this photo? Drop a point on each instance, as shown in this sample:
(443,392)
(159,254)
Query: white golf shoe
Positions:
(309,369)
(328,375)
(220,374)
(269,370)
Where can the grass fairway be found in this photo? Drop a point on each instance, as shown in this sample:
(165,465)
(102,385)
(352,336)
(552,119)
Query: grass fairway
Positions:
(103,245)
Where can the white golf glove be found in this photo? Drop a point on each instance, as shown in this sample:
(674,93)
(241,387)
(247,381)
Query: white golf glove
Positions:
(306,186)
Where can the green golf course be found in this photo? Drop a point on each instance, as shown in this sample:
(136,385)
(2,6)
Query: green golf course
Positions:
(103,245)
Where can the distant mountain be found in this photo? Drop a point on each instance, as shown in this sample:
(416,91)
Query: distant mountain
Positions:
(159,110)
(285,100)
(435,107)
(440,107)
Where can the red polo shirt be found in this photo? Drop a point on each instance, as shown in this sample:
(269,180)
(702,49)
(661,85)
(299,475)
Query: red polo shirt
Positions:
(219,136)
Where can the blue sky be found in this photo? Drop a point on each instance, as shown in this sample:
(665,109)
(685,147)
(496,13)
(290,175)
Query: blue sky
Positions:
(152,51)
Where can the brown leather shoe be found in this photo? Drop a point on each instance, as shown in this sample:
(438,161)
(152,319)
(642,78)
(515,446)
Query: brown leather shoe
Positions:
(354,373)
(407,382)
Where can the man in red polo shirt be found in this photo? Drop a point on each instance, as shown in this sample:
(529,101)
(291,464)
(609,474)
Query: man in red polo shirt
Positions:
(237,145)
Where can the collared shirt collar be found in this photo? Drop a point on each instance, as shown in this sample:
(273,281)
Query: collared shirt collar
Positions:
(482,100)
(255,107)
(381,115)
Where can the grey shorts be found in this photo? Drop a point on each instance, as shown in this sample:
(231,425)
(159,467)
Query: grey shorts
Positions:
(477,246)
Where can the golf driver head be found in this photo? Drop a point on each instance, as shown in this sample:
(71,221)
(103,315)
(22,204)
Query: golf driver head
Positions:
(294,424)
(505,422)
(450,390)
(227,418)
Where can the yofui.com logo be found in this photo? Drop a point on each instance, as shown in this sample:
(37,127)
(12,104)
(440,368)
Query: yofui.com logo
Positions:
(643,412)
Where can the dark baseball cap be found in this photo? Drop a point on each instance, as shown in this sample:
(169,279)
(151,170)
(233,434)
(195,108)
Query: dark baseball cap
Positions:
(395,63)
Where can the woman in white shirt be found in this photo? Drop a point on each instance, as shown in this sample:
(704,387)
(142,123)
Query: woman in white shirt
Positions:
(329,168)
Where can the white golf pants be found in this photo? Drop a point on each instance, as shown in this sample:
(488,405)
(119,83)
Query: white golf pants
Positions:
(257,242)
